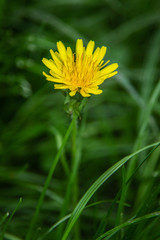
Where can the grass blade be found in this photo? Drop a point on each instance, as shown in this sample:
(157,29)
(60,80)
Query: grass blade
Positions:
(9,236)
(54,226)
(152,59)
(122,199)
(141,134)
(111,232)
(10,218)
(54,164)
(129,27)
(95,186)
(4,218)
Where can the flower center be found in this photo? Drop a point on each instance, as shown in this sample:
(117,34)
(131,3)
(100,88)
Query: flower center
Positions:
(80,73)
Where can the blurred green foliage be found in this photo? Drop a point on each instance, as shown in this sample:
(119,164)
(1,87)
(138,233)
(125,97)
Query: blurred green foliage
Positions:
(33,121)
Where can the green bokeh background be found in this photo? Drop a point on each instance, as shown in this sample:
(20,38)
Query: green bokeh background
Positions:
(33,121)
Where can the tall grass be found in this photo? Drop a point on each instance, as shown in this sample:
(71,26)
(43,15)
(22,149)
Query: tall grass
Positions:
(105,182)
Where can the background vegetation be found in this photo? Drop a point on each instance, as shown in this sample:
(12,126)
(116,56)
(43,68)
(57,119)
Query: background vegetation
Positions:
(120,121)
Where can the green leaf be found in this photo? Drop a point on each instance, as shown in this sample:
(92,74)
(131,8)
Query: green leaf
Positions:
(111,232)
(95,186)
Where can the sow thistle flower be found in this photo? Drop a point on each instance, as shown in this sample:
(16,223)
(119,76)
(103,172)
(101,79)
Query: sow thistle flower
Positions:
(82,71)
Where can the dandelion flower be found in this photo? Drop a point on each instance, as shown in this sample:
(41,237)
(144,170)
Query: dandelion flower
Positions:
(82,71)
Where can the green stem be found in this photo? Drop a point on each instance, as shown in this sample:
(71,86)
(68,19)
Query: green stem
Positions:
(72,183)
(4,218)
(59,140)
(121,203)
(49,177)
(76,155)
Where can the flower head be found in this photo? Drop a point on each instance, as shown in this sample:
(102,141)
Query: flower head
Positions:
(82,71)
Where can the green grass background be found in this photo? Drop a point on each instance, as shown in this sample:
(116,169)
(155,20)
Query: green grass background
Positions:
(120,121)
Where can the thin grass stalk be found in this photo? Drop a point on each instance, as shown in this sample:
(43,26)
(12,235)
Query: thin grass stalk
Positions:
(4,218)
(94,187)
(9,220)
(104,221)
(49,177)
(140,138)
(59,140)
(131,221)
(72,187)
(121,202)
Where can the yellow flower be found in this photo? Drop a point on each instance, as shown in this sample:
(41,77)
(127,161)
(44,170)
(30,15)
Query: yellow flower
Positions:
(81,72)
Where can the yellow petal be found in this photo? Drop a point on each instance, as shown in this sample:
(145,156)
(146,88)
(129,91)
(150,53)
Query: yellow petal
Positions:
(55,58)
(94,91)
(79,47)
(62,51)
(100,80)
(52,79)
(96,53)
(111,74)
(109,69)
(102,66)
(101,54)
(60,86)
(72,93)
(46,75)
(69,53)
(50,64)
(83,93)
(90,48)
